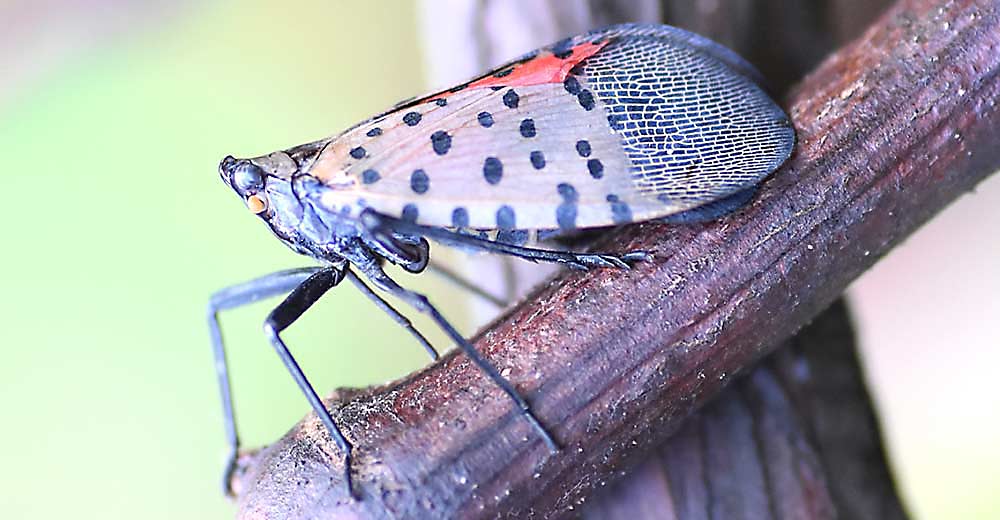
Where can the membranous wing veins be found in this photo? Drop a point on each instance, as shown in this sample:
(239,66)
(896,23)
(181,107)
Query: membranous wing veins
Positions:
(629,124)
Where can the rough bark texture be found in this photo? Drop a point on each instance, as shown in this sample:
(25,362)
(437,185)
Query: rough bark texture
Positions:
(891,129)
(794,439)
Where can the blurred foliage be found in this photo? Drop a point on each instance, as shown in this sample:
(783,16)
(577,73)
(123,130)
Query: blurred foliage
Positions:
(119,229)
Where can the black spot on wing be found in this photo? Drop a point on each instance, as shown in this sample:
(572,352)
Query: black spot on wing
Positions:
(492,170)
(370,176)
(567,192)
(441,142)
(460,217)
(537,159)
(527,128)
(506,218)
(412,118)
(511,99)
(485,119)
(596,168)
(566,212)
(410,213)
(419,182)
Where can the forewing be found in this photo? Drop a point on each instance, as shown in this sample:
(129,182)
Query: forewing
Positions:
(631,123)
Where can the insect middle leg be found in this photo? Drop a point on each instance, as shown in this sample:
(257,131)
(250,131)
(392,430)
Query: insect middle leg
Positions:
(392,312)
(289,310)
(420,302)
(274,284)
(385,224)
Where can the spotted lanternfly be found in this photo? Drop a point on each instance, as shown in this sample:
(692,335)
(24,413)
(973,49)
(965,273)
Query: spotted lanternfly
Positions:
(625,124)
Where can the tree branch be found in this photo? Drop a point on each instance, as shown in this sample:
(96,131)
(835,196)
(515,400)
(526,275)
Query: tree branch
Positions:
(891,129)
(795,438)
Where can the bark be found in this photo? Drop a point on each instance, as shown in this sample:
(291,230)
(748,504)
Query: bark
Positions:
(891,128)
(795,438)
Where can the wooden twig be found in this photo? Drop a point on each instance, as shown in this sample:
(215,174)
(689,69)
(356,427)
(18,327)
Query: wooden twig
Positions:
(794,439)
(891,129)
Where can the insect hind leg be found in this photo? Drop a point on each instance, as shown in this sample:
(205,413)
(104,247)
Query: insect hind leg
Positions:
(423,305)
(380,224)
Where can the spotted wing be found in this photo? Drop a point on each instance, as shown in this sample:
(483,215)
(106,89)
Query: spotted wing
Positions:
(631,123)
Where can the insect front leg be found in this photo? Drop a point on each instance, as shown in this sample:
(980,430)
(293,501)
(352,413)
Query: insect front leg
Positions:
(289,310)
(246,293)
(420,302)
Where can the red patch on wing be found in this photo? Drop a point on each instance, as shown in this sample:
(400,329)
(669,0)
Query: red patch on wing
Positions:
(544,68)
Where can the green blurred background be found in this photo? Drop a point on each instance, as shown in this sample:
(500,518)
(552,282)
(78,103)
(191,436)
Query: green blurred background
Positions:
(122,229)
(113,117)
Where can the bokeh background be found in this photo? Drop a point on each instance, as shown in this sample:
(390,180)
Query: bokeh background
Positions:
(113,117)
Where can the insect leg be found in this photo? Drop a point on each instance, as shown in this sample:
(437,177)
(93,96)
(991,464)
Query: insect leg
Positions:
(289,310)
(393,313)
(237,296)
(382,224)
(422,304)
(458,280)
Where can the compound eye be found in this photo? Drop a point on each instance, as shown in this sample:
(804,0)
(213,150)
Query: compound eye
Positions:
(248,177)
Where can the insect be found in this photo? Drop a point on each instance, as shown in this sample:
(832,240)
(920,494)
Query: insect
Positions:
(624,124)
